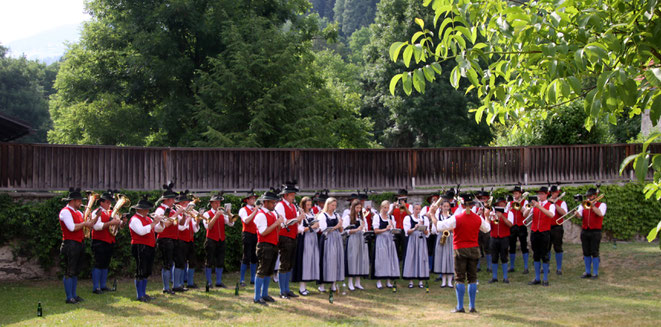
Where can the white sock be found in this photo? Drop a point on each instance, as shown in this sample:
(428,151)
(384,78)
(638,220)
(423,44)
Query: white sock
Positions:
(334,287)
(378,283)
(321,288)
(302,287)
(410,283)
(444,279)
(389,283)
(358,282)
(421,284)
(351,283)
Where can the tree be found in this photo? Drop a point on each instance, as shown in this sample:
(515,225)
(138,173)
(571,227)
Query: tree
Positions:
(524,60)
(437,118)
(324,8)
(354,14)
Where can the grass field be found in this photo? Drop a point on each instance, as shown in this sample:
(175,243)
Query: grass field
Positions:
(628,293)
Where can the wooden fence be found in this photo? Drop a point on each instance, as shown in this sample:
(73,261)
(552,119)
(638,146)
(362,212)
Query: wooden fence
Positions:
(42,167)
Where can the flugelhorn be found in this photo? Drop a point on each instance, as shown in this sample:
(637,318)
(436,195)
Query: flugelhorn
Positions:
(122,201)
(91,200)
(516,204)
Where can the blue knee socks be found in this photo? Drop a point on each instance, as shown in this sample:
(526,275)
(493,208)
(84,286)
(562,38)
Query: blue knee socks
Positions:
(138,287)
(460,290)
(525,261)
(166,277)
(172,274)
(244,267)
(207,274)
(504,268)
(488,260)
(67,287)
(512,257)
(74,287)
(558,261)
(282,282)
(588,264)
(96,277)
(191,276)
(472,292)
(494,270)
(219,275)
(259,282)
(546,271)
(537,265)
(253,271)
(177,277)
(143,287)
(265,288)
(104,278)
(595,265)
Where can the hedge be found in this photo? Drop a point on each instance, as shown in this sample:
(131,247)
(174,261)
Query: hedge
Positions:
(33,230)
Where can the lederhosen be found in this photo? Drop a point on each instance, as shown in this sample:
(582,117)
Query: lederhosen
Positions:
(186,247)
(287,240)
(267,248)
(500,240)
(541,234)
(214,244)
(591,232)
(518,231)
(466,247)
(71,250)
(557,232)
(142,248)
(103,242)
(249,239)
(167,242)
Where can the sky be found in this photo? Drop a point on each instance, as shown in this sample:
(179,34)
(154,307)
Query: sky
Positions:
(23,18)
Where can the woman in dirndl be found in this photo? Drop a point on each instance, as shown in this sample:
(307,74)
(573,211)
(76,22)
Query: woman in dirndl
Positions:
(416,262)
(386,262)
(357,251)
(443,253)
(306,268)
(331,246)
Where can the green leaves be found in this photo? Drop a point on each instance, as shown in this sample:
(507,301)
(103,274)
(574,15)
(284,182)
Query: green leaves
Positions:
(395,48)
(408,52)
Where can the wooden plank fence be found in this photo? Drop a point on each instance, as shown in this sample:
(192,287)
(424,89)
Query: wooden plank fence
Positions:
(41,167)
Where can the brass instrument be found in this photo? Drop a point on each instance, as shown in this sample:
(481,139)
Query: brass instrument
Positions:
(121,201)
(444,237)
(92,197)
(558,199)
(516,205)
(587,204)
(528,220)
(494,217)
(567,217)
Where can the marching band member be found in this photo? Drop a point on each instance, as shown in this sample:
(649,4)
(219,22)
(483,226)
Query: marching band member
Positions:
(557,231)
(483,240)
(331,248)
(416,265)
(399,211)
(443,252)
(248,237)
(591,232)
(307,264)
(167,238)
(143,242)
(319,201)
(215,221)
(350,199)
(357,251)
(287,239)
(542,213)
(501,223)
(519,231)
(467,226)
(386,262)
(188,226)
(431,239)
(268,225)
(103,242)
(71,250)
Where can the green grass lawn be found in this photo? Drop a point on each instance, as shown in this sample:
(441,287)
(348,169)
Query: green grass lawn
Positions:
(627,294)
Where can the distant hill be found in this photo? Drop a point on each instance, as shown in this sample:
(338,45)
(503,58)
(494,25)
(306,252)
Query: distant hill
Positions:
(48,46)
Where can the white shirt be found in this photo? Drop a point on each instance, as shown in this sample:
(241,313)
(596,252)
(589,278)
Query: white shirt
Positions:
(360,222)
(407,222)
(99,224)
(376,221)
(160,211)
(439,218)
(563,205)
(65,216)
(392,207)
(308,217)
(136,226)
(280,208)
(602,208)
(185,226)
(523,205)
(243,212)
(451,223)
(323,220)
(551,208)
(213,213)
(261,222)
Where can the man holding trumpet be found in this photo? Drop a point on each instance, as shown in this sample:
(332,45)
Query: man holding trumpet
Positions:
(592,211)
(542,212)
(268,225)
(287,240)
(143,241)
(557,231)
(499,241)
(214,222)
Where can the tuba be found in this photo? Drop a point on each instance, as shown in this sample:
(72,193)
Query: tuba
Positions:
(92,197)
(121,201)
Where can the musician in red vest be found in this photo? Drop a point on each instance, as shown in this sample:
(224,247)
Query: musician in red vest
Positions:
(185,255)
(215,221)
(501,223)
(71,250)
(400,210)
(483,241)
(543,212)
(466,227)
(248,237)
(167,238)
(518,231)
(268,229)
(591,233)
(557,231)
(288,209)
(143,241)
(103,242)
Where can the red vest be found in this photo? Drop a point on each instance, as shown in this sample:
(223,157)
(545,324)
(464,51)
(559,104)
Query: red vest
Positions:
(290,213)
(518,215)
(273,236)
(454,209)
(399,216)
(187,235)
(316,209)
(147,239)
(368,218)
(249,227)
(591,220)
(172,231)
(467,230)
(217,232)
(540,221)
(104,234)
(499,230)
(557,215)
(78,235)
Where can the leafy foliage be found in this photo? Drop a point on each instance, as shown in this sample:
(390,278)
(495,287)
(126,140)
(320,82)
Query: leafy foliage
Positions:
(354,14)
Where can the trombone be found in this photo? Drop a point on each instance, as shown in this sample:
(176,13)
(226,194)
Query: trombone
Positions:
(516,205)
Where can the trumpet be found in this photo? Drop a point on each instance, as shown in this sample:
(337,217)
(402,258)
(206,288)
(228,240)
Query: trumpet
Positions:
(122,201)
(516,205)
(91,200)
(587,204)
(494,217)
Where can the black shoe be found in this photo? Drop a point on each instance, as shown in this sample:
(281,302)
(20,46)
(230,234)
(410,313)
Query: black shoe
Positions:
(105,289)
(534,282)
(595,277)
(472,310)
(488,270)
(79,299)
(545,283)
(479,269)
(148,298)
(221,285)
(558,272)
(438,279)
(304,293)
(493,280)
(455,310)
(284,296)
(291,294)
(268,298)
(252,283)
(443,286)
(143,299)
(99,291)
(506,281)
(526,271)
(179,289)
(171,292)
(510,270)
(71,301)
(194,286)
(261,302)
(242,284)
(410,285)
(586,275)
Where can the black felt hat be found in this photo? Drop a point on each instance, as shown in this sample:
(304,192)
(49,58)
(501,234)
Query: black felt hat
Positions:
(402,193)
(555,188)
(435,194)
(74,194)
(543,189)
(352,197)
(482,193)
(168,193)
(217,197)
(363,196)
(323,195)
(500,199)
(108,195)
(143,204)
(249,195)
(468,198)
(591,191)
(517,189)
(271,195)
(289,187)
(182,196)
(449,195)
